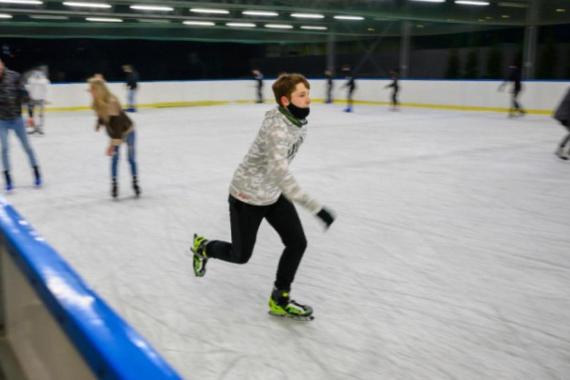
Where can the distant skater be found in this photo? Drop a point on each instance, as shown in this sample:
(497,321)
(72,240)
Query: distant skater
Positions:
(119,127)
(562,114)
(515,78)
(395,86)
(330,84)
(37,87)
(350,86)
(258,77)
(264,188)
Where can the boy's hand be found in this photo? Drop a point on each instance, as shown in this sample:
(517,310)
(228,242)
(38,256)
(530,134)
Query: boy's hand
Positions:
(326,216)
(110,150)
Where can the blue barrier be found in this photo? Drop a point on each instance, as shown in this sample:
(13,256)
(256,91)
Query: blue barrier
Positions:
(110,347)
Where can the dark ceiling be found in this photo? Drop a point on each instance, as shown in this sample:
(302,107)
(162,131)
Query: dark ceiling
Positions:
(52,19)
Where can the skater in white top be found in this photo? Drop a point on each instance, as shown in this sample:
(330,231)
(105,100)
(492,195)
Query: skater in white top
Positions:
(37,87)
(263,188)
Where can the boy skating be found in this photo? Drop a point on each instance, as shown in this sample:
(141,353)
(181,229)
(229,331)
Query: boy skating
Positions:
(264,188)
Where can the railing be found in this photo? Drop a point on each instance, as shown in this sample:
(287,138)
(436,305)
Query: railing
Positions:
(55,326)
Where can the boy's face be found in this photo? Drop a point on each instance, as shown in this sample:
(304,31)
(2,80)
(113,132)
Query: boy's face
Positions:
(300,97)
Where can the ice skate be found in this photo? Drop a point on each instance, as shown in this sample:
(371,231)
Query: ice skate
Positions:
(561,154)
(280,305)
(200,259)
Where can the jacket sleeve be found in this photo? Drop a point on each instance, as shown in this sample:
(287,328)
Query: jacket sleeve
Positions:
(23,94)
(279,170)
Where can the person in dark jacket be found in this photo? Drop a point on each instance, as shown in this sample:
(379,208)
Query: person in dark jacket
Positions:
(351,86)
(119,127)
(329,79)
(12,95)
(515,78)
(258,77)
(562,114)
(132,86)
(395,86)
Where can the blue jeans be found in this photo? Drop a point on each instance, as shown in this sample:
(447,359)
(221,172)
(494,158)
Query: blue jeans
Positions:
(17,125)
(130,154)
(131,99)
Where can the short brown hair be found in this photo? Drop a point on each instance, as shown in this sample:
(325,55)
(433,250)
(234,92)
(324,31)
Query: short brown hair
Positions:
(285,85)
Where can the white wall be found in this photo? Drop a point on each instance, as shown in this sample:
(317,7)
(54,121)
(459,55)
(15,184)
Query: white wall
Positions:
(538,96)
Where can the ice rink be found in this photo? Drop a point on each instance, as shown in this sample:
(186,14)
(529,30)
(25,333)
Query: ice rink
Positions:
(450,257)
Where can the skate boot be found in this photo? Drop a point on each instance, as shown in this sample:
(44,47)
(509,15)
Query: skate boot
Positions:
(136,186)
(200,258)
(37,177)
(8,181)
(560,153)
(281,305)
(114,188)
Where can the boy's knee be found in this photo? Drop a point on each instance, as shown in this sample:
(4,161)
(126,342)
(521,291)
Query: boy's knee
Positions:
(299,244)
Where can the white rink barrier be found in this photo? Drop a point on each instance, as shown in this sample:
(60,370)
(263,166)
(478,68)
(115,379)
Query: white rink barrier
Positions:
(53,326)
(476,95)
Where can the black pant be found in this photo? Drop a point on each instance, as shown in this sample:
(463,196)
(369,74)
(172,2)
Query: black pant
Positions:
(245,220)
(395,98)
(515,105)
(565,139)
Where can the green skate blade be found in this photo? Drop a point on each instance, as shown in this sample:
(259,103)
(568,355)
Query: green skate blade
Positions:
(307,318)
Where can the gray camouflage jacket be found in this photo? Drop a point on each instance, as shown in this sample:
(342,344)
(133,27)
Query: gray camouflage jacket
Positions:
(12,94)
(264,174)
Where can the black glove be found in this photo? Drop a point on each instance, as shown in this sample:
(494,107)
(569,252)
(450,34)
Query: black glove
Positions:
(326,216)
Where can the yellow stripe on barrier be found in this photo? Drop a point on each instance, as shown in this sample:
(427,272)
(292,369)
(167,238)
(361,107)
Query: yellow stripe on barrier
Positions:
(206,103)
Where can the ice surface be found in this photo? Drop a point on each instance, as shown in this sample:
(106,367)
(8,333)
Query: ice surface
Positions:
(450,258)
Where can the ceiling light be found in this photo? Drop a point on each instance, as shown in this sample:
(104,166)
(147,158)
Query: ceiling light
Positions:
(508,4)
(154,20)
(22,2)
(472,2)
(48,17)
(429,1)
(103,19)
(309,27)
(350,18)
(307,15)
(505,16)
(151,8)
(86,5)
(560,10)
(260,13)
(210,11)
(241,24)
(278,26)
(198,23)
(5,16)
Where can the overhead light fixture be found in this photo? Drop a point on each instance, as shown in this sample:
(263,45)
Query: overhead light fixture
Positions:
(48,17)
(210,11)
(240,24)
(472,2)
(311,27)
(154,20)
(103,19)
(429,1)
(349,18)
(560,10)
(278,26)
(151,8)
(86,5)
(508,4)
(307,15)
(22,2)
(5,16)
(505,16)
(198,23)
(260,13)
